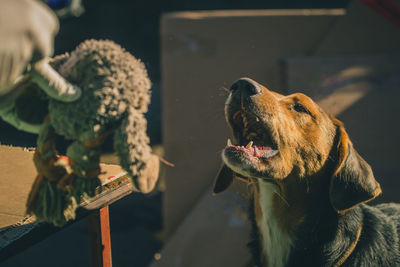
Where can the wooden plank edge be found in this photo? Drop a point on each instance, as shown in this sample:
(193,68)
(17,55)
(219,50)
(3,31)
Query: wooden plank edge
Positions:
(20,236)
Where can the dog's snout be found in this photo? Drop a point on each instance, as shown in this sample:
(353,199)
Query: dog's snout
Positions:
(247,86)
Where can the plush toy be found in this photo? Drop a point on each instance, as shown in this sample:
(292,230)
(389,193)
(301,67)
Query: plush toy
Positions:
(115,92)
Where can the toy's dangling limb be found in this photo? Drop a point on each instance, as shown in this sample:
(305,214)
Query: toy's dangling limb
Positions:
(84,159)
(45,200)
(132,146)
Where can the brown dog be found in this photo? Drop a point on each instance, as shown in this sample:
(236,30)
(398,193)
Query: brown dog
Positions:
(309,183)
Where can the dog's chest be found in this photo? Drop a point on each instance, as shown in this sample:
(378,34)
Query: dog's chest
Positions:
(276,244)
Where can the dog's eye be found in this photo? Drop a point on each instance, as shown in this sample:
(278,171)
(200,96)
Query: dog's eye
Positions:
(300,108)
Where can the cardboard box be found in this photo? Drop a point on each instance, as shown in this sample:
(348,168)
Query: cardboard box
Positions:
(203,53)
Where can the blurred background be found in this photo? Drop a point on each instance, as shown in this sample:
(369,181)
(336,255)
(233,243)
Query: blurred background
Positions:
(342,53)
(135,25)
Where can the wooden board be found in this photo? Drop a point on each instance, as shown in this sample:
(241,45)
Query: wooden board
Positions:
(19,231)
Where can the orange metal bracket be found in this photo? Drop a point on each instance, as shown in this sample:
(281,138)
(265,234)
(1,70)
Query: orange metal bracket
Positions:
(99,238)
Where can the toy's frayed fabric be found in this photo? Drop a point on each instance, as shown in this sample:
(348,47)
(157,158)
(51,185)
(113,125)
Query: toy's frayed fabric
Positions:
(111,80)
(84,159)
(49,204)
(45,199)
(131,144)
(84,163)
(59,60)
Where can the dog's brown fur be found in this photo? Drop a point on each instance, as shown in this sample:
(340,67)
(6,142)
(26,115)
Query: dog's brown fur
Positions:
(316,159)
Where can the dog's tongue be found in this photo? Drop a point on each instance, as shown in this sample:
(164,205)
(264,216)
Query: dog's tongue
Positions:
(262,152)
(255,151)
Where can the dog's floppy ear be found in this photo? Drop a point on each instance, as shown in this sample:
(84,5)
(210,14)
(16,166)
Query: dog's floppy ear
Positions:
(353,181)
(223,180)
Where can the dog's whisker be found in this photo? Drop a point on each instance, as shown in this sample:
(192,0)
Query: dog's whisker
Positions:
(219,151)
(224,89)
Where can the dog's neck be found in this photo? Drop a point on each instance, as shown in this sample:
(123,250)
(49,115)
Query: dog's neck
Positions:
(286,234)
(280,209)
(275,242)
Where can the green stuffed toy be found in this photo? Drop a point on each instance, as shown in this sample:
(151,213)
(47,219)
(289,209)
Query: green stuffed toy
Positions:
(115,93)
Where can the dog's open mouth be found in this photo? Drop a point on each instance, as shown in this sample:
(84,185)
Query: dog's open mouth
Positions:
(252,135)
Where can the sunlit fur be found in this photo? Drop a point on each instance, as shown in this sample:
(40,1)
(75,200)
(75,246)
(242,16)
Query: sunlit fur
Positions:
(276,243)
(304,140)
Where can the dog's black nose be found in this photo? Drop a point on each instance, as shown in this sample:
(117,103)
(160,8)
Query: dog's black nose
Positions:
(246,85)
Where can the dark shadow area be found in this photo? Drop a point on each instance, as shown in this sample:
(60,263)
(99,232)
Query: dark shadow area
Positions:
(378,106)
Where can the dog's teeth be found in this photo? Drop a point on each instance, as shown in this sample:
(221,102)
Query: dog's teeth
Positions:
(250,144)
(257,119)
(229,142)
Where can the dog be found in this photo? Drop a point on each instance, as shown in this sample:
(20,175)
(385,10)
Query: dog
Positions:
(310,184)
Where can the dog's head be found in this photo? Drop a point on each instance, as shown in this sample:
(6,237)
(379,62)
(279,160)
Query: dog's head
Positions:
(277,136)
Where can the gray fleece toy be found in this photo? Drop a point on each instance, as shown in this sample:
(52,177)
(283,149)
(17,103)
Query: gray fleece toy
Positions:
(115,95)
